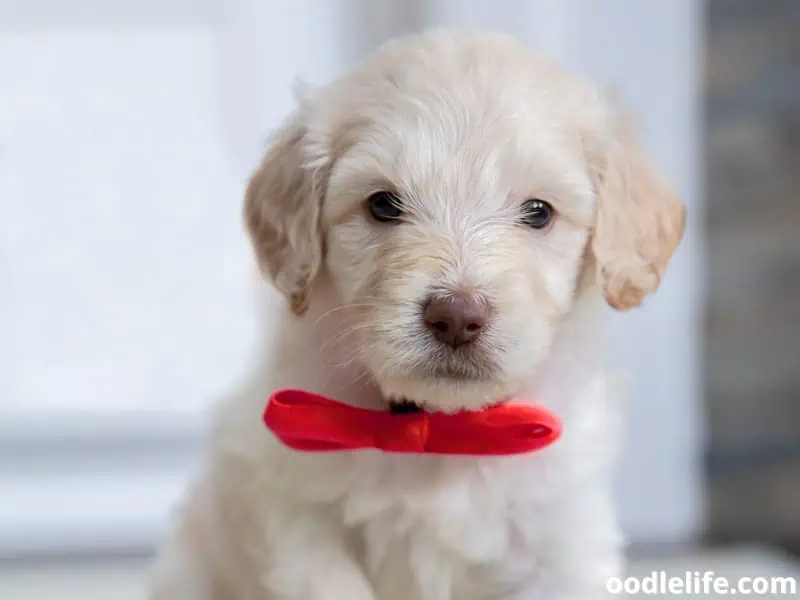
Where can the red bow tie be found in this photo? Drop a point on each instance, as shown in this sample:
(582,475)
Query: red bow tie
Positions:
(310,422)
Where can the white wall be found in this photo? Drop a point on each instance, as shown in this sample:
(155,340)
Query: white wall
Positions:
(126,132)
(124,266)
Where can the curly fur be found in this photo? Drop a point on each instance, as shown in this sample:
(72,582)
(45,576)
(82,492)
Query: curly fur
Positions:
(463,127)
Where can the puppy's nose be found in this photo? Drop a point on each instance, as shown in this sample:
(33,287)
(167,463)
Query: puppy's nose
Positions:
(456,319)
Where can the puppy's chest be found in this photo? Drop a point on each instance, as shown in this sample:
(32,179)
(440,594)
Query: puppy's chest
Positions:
(460,532)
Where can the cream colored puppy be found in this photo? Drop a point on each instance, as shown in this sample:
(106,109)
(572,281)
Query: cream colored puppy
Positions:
(445,222)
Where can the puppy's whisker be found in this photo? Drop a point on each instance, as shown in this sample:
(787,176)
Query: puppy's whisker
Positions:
(348,360)
(364,376)
(338,309)
(341,336)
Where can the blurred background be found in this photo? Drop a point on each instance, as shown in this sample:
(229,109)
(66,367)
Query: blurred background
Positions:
(129,303)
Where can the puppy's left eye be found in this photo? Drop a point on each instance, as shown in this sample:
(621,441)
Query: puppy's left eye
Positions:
(385,207)
(537,213)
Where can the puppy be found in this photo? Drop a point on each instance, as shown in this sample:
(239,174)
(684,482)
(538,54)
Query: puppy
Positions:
(446,222)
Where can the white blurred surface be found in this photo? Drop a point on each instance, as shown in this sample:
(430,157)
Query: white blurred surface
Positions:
(124,265)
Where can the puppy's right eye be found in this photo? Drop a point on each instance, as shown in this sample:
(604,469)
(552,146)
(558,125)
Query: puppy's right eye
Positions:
(385,207)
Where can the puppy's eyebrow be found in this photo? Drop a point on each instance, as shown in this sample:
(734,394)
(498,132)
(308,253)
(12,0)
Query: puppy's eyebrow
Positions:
(552,174)
(352,189)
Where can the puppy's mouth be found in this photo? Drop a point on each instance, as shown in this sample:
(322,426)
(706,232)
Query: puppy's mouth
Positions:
(433,388)
(466,367)
(403,406)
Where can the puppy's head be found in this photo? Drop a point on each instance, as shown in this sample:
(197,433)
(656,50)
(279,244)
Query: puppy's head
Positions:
(457,191)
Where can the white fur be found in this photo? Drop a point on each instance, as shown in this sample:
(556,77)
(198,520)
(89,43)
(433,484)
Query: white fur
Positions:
(464,127)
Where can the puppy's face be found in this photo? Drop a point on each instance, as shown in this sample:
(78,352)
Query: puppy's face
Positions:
(458,192)
(457,231)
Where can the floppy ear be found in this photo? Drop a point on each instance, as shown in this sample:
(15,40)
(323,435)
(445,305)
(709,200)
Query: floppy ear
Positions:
(638,226)
(282,212)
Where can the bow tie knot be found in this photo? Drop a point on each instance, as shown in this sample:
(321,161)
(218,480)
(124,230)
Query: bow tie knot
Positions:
(408,433)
